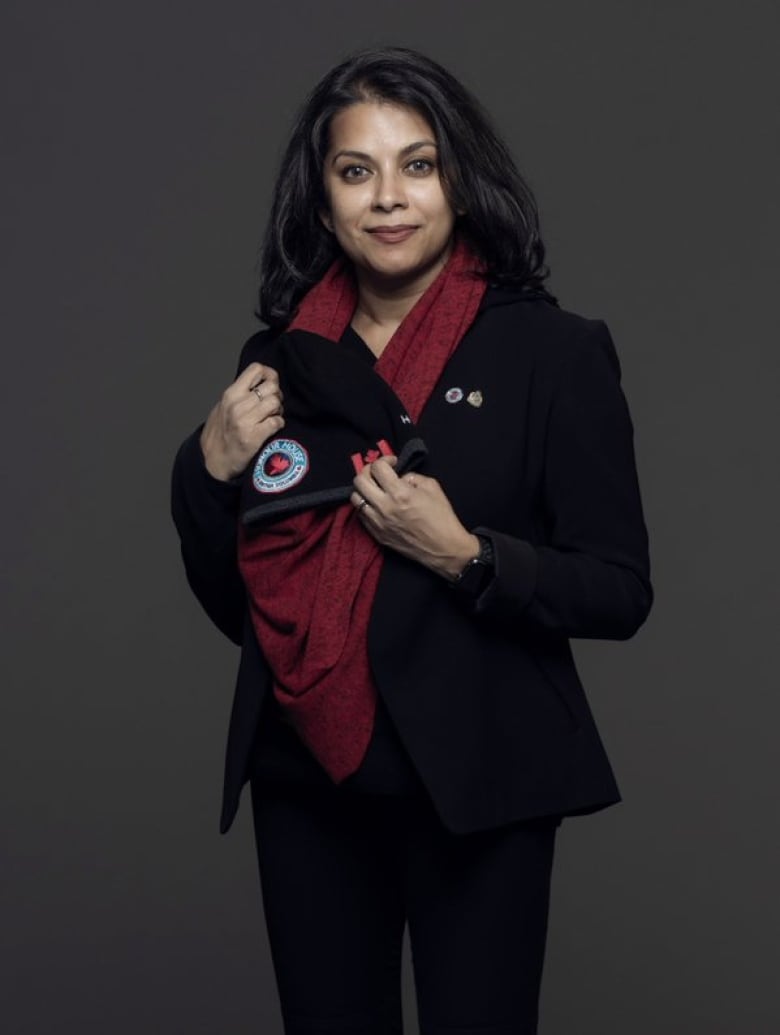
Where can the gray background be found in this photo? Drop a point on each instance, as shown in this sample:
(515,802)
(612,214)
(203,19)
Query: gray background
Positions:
(139,146)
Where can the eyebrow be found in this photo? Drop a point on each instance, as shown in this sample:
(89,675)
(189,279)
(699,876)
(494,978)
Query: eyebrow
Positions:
(402,153)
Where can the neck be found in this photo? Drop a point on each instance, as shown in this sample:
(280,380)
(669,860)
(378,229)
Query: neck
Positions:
(382,305)
(380,312)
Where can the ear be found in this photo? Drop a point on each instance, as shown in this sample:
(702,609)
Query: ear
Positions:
(326,220)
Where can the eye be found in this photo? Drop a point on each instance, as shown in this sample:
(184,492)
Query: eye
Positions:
(420,166)
(353,172)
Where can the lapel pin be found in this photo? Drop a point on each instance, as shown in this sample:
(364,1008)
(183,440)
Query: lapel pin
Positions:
(453,395)
(474,398)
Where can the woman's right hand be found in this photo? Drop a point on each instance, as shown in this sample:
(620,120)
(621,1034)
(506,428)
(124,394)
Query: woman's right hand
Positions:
(247,415)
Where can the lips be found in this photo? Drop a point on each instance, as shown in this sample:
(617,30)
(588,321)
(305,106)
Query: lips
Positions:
(392,234)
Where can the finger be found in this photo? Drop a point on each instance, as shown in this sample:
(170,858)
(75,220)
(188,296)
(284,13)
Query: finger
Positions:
(360,503)
(263,389)
(271,424)
(419,483)
(270,401)
(383,473)
(249,376)
(253,407)
(366,488)
(255,374)
(268,383)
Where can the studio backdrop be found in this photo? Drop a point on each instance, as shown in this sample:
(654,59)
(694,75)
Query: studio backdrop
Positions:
(140,142)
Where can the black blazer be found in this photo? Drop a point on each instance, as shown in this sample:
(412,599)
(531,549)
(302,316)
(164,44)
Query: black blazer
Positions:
(484,694)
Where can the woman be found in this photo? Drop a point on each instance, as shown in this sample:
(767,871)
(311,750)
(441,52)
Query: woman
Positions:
(420,485)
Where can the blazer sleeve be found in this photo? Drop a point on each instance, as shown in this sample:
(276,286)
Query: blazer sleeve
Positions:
(591,577)
(205,512)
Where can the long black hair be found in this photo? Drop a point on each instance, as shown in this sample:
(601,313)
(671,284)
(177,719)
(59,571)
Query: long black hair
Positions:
(500,219)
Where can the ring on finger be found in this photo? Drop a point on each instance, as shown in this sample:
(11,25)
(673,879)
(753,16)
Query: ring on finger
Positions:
(363,503)
(257,392)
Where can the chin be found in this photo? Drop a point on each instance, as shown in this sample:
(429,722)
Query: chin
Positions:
(400,275)
(404,269)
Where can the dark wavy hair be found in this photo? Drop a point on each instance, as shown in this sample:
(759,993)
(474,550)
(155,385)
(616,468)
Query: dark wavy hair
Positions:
(500,219)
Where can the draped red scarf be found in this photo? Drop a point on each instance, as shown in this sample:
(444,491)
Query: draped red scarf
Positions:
(311,578)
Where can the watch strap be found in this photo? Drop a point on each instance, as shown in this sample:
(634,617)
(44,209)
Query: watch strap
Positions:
(478,571)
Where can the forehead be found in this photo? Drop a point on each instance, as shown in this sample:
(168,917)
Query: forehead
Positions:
(371,126)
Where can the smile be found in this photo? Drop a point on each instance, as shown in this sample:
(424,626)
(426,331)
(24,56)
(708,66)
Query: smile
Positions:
(392,234)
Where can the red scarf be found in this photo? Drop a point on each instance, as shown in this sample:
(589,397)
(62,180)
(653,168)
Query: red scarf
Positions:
(311,578)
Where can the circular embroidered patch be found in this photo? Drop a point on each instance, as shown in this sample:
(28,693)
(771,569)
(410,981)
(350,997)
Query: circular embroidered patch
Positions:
(453,395)
(282,464)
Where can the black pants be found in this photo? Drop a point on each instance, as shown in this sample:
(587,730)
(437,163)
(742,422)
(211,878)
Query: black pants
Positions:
(342,873)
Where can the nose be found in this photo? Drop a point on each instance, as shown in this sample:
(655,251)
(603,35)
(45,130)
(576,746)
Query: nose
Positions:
(389,192)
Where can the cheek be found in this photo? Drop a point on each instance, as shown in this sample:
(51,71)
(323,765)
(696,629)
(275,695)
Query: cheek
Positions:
(439,208)
(345,209)
(445,222)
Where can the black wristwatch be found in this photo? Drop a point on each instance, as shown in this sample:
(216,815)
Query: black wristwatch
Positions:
(478,572)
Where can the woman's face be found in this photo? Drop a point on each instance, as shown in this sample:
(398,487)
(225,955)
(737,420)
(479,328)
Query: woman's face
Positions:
(386,204)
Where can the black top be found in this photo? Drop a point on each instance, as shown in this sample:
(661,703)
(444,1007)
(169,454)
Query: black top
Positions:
(279,755)
(352,340)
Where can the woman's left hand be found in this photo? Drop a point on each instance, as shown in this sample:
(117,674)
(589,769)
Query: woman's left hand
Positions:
(412,515)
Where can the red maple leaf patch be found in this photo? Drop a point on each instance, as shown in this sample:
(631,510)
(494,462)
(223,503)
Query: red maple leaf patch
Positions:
(277,464)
